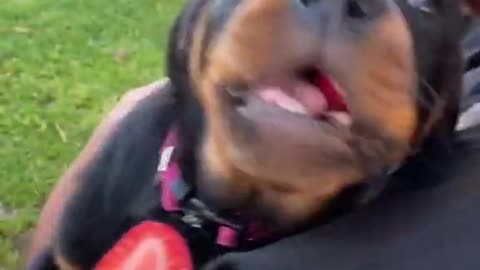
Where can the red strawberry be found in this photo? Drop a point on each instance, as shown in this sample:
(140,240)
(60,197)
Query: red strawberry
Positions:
(148,246)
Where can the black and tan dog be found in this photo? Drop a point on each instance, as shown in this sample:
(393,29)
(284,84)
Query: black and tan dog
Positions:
(281,106)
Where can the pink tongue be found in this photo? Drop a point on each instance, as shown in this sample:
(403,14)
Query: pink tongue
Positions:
(313,99)
(304,98)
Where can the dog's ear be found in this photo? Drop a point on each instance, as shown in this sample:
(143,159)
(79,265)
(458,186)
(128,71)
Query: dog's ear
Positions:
(471,7)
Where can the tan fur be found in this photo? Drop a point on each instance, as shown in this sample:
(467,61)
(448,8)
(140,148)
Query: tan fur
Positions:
(385,80)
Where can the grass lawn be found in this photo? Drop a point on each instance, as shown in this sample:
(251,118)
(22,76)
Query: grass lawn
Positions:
(62,64)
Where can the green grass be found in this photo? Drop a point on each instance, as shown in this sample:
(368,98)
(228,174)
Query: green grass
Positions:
(63,63)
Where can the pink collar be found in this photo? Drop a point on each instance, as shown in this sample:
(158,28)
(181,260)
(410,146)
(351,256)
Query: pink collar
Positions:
(170,175)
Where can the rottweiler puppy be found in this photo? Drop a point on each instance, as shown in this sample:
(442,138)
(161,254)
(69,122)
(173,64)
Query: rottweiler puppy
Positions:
(283,108)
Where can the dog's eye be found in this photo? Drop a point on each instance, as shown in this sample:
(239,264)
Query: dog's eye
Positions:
(427,6)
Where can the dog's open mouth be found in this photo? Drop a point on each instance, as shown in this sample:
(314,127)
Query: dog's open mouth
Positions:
(309,93)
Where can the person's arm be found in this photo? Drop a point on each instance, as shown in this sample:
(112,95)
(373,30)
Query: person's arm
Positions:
(66,186)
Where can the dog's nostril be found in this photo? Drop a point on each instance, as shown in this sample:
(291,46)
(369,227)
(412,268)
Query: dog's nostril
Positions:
(356,10)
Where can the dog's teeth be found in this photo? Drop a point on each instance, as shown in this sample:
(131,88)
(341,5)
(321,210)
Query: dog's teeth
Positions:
(292,106)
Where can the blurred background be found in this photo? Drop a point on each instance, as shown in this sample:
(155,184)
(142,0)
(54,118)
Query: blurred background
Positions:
(63,64)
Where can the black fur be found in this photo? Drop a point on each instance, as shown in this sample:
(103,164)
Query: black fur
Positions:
(190,115)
